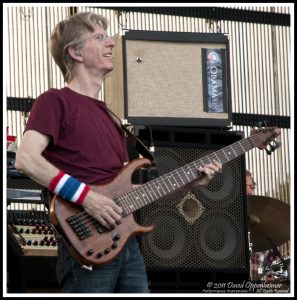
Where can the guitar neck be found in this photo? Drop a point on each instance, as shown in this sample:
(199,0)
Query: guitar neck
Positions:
(177,179)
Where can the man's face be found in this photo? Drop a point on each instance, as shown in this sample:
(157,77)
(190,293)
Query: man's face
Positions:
(250,186)
(97,53)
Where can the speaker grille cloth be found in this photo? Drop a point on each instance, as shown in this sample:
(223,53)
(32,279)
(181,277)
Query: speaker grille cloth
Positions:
(212,235)
(168,80)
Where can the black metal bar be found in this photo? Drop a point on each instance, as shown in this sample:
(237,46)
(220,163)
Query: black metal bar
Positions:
(215,13)
(252,119)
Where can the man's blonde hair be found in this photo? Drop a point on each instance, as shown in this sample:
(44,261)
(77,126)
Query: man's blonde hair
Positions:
(71,32)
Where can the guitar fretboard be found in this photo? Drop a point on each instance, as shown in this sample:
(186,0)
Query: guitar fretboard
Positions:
(175,180)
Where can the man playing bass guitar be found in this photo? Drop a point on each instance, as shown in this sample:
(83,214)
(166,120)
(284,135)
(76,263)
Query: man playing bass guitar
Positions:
(73,146)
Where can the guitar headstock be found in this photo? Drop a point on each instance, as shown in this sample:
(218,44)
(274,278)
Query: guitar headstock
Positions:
(265,138)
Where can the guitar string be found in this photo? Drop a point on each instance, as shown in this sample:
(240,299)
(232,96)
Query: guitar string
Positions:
(148,186)
(192,166)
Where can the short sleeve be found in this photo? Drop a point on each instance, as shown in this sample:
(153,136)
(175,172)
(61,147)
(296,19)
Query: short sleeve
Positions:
(46,116)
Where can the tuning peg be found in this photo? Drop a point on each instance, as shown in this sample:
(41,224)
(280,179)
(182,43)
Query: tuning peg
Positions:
(268,151)
(273,147)
(277,144)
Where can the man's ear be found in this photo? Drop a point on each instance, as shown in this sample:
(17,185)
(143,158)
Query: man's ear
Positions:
(75,53)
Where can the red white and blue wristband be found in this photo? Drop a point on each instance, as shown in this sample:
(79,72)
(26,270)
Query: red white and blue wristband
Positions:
(69,188)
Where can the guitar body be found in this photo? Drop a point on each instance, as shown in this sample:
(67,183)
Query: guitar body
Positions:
(102,246)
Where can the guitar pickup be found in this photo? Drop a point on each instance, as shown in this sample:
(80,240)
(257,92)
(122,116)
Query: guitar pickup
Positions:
(80,228)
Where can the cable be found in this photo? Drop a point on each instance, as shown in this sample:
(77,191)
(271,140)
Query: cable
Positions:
(152,146)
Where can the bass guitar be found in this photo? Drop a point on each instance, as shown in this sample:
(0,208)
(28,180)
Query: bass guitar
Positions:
(94,245)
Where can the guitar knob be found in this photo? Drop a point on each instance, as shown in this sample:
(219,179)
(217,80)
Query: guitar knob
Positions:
(90,252)
(116,237)
(99,255)
(107,250)
(114,245)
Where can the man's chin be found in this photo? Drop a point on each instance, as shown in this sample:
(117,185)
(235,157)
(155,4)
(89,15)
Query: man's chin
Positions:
(109,69)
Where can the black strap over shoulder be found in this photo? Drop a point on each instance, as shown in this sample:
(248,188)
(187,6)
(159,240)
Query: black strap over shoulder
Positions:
(136,142)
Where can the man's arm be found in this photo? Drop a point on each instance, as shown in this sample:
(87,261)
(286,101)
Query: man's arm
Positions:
(29,160)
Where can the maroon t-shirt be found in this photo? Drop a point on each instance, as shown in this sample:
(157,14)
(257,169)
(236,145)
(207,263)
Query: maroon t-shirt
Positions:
(85,142)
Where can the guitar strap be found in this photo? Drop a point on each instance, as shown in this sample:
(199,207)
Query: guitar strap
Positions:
(135,141)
